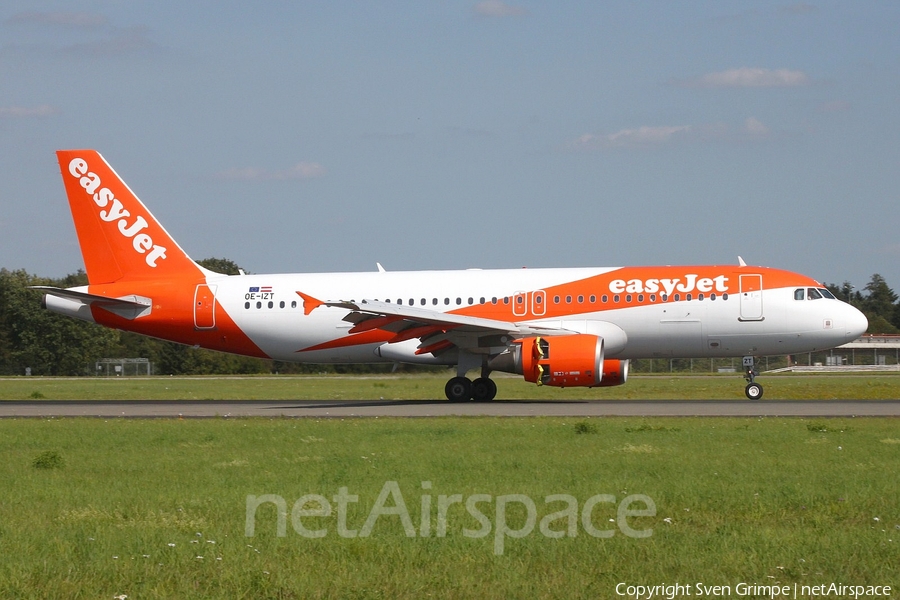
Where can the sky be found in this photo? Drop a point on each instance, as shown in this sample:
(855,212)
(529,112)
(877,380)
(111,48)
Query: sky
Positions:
(326,136)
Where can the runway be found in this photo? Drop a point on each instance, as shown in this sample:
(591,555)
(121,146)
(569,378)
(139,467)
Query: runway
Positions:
(440,408)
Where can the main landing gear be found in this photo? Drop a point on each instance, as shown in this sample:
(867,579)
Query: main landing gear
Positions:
(463,389)
(753,390)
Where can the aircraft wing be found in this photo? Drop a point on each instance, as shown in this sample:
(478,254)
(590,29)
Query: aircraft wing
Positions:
(437,331)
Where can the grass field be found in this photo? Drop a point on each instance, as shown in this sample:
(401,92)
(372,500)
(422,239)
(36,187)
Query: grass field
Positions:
(158,509)
(868,386)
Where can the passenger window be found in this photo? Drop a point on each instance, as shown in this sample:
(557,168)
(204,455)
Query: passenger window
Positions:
(246,305)
(688,297)
(434,301)
(580,299)
(294,304)
(677,297)
(813,294)
(665,297)
(259,305)
(652,297)
(640,297)
(555,299)
(538,300)
(446,300)
(712,296)
(628,298)
(604,299)
(423,301)
(616,298)
(593,298)
(699,296)
(281,304)
(568,299)
(494,300)
(505,299)
(798,294)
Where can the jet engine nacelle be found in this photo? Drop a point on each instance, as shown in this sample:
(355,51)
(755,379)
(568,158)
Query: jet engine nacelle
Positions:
(561,361)
(615,372)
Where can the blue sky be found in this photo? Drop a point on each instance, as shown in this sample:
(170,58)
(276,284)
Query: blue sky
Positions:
(300,136)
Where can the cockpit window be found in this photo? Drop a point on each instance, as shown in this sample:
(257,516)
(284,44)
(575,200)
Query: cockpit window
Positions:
(813,294)
(827,294)
(799,294)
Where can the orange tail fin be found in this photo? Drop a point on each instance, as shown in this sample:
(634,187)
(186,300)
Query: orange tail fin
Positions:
(120,240)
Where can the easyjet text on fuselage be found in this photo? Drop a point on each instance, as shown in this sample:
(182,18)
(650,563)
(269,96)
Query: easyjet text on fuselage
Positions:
(690,283)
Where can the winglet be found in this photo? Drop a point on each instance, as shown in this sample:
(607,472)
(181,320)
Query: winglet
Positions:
(309,303)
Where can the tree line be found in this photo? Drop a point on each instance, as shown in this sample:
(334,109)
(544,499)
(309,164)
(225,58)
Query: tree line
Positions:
(51,344)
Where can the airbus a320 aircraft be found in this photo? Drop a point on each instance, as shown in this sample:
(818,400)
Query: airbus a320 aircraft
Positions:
(557,327)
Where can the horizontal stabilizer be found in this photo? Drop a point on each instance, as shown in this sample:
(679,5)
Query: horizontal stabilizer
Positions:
(128,307)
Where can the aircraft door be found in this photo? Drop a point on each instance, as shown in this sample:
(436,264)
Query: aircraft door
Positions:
(205,307)
(751,298)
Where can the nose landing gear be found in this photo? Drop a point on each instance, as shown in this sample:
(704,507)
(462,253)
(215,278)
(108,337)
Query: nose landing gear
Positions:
(753,390)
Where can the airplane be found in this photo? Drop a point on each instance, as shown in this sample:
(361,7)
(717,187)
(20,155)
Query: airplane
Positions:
(563,327)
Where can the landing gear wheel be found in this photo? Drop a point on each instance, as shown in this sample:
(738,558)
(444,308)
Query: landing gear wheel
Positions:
(754,391)
(458,389)
(483,389)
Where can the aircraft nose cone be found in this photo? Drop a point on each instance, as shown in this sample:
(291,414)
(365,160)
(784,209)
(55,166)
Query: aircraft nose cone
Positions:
(857,323)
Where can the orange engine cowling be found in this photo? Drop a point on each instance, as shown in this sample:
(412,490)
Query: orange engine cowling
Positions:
(615,372)
(563,361)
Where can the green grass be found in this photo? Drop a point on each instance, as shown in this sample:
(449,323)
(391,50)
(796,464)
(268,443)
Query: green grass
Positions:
(869,386)
(130,505)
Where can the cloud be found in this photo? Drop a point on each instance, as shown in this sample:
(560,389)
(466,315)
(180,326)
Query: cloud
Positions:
(498,8)
(644,136)
(126,41)
(302,170)
(79,20)
(755,128)
(25,112)
(748,77)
